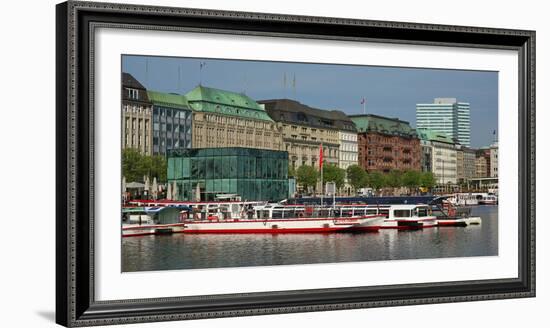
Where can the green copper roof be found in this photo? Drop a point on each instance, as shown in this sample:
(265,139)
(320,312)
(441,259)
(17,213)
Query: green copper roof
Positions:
(384,125)
(168,99)
(431,135)
(225,102)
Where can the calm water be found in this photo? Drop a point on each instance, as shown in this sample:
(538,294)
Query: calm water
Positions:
(179,251)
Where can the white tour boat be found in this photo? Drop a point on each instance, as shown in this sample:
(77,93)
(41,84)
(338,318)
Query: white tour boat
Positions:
(400,216)
(407,217)
(238,218)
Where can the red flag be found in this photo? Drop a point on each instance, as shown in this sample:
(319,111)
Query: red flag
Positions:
(321,157)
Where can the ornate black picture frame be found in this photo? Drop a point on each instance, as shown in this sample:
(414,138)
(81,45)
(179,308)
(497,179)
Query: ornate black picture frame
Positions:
(75,301)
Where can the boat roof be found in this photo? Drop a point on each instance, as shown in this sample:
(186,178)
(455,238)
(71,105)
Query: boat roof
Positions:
(407,206)
(165,202)
(381,200)
(153,209)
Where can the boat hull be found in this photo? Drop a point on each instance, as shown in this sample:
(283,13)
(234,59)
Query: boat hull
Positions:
(429,222)
(459,222)
(274,226)
(151,229)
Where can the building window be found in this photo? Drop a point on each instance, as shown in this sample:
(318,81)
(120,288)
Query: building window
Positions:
(133,93)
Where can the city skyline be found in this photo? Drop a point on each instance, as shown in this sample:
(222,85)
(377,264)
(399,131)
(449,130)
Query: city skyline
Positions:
(387,90)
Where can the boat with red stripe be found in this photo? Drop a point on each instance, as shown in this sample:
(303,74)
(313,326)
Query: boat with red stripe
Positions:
(211,218)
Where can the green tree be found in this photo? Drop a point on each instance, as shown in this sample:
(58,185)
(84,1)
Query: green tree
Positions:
(132,165)
(332,173)
(158,167)
(307,176)
(411,179)
(357,177)
(135,166)
(427,180)
(291,171)
(376,180)
(394,179)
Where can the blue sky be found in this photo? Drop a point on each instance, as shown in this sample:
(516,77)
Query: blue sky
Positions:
(389,91)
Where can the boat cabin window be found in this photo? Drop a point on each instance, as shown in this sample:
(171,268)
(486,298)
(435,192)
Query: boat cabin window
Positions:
(402,213)
(278,213)
(422,211)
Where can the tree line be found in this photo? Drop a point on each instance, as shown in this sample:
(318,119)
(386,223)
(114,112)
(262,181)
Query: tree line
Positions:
(135,166)
(358,178)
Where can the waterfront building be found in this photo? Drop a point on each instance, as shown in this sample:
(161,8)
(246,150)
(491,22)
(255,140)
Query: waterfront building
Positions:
(493,160)
(447,116)
(253,174)
(172,122)
(459,164)
(348,155)
(305,128)
(386,144)
(483,163)
(426,156)
(136,116)
(466,163)
(348,148)
(444,155)
(489,161)
(228,119)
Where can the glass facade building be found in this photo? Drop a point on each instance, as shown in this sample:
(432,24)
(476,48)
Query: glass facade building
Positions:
(172,122)
(253,174)
(447,116)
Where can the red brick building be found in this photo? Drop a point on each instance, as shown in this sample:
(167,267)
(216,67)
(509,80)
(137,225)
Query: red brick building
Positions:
(387,144)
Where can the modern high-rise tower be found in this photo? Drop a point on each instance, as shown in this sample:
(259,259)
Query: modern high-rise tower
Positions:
(448,116)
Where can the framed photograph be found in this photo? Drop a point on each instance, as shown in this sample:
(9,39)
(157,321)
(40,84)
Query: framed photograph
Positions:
(216,164)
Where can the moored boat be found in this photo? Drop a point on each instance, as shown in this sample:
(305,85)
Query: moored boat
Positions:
(277,218)
(450,215)
(489,200)
(142,221)
(396,216)
(409,217)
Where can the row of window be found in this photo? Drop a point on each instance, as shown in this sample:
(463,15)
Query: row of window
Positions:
(348,156)
(167,112)
(352,147)
(136,123)
(305,129)
(137,109)
(249,189)
(389,161)
(223,119)
(133,140)
(227,167)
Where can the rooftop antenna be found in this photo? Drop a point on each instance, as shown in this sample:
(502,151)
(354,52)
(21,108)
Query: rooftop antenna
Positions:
(201,66)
